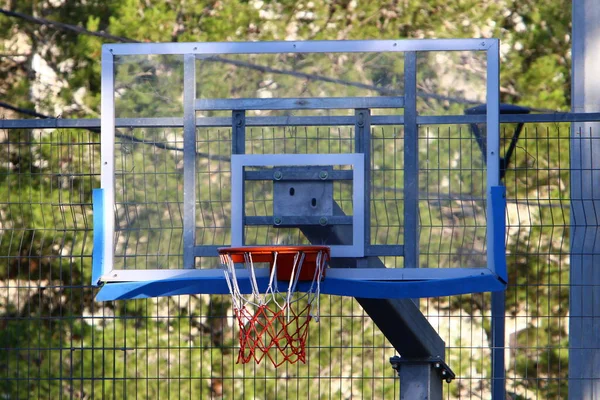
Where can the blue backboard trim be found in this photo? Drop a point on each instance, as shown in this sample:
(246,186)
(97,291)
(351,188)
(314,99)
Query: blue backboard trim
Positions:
(333,286)
(98,251)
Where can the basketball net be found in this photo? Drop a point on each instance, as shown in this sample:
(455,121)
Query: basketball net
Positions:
(274,324)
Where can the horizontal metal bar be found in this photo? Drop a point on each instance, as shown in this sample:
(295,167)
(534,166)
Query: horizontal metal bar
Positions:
(405,274)
(313,120)
(349,274)
(50,123)
(206,251)
(142,275)
(509,118)
(387,120)
(175,122)
(372,250)
(286,221)
(450,119)
(300,103)
(316,46)
(553,117)
(171,122)
(299,175)
(377,250)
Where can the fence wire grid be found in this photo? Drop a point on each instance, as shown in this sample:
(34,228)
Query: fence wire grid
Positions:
(57,342)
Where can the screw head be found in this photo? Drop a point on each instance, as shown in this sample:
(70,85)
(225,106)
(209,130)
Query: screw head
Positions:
(323,221)
(361,119)
(277,220)
(323,175)
(277,175)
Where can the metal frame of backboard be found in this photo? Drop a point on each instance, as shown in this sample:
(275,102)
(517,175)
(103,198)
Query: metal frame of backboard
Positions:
(362,282)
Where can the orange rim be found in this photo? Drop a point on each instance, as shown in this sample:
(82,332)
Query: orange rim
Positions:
(273,249)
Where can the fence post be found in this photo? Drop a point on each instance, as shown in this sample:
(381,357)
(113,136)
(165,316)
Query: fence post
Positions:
(584,304)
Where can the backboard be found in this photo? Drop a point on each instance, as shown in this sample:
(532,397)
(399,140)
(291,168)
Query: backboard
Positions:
(345,144)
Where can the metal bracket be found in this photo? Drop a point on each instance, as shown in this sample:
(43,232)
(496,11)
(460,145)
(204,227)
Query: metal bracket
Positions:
(440,365)
(295,195)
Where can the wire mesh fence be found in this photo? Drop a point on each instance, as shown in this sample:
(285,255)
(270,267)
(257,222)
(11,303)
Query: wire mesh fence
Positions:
(56,342)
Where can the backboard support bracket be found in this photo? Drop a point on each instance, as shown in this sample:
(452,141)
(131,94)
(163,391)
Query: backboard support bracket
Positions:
(421,378)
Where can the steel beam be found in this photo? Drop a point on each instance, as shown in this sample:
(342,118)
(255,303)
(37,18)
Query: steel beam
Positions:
(411,164)
(421,379)
(189,161)
(584,304)
(216,122)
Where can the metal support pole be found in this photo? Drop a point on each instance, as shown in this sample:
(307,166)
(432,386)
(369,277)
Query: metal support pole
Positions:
(421,379)
(584,304)
(189,160)
(498,358)
(238,146)
(362,144)
(411,163)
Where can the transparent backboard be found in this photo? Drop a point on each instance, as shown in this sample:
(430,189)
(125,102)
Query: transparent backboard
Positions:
(353,145)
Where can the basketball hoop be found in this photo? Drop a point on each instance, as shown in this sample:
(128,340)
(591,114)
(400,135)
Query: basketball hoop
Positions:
(275,322)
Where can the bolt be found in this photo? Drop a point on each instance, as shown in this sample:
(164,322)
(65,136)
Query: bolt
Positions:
(361,119)
(277,175)
(277,221)
(323,175)
(323,221)
(437,365)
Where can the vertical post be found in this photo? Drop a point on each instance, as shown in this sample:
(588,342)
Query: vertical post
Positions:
(422,379)
(238,146)
(498,328)
(238,131)
(411,163)
(496,235)
(362,144)
(107,169)
(412,378)
(584,304)
(189,160)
